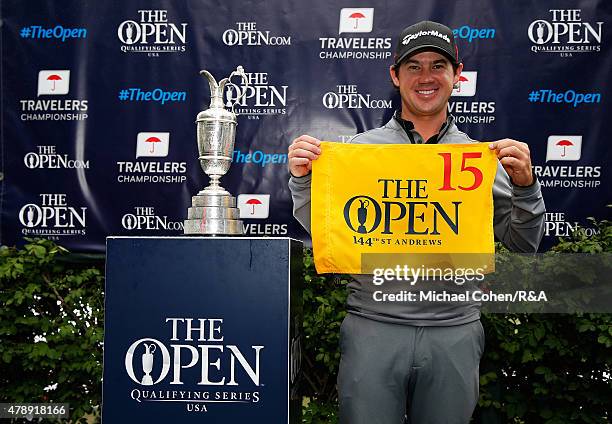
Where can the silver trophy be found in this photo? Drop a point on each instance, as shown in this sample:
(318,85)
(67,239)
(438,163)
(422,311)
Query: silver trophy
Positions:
(213,210)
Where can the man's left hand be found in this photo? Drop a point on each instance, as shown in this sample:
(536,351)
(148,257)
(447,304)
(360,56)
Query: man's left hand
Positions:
(516,160)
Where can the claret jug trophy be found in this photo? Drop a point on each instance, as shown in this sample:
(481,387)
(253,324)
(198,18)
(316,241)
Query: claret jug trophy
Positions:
(213,210)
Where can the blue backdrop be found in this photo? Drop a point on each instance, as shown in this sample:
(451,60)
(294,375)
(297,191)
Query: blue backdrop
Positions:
(99,101)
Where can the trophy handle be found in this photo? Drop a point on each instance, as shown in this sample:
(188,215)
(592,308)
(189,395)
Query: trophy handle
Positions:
(239,72)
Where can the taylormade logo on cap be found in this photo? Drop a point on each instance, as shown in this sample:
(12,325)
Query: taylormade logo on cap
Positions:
(408,38)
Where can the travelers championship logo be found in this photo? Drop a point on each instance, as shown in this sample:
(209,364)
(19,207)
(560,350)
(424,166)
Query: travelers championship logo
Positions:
(152,145)
(260,98)
(247,34)
(565,33)
(439,202)
(566,148)
(467,84)
(152,33)
(348,97)
(257,206)
(254,206)
(197,360)
(470,112)
(53,83)
(53,217)
(355,20)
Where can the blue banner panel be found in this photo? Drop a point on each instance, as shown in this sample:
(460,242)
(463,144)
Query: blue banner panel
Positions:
(98,133)
(202,330)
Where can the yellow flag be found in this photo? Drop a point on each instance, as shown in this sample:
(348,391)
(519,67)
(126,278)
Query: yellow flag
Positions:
(374,205)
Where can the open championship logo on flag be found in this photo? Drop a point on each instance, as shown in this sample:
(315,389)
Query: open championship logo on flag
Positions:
(391,200)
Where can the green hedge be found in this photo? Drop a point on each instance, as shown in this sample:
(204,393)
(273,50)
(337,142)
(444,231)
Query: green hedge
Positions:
(536,368)
(51,328)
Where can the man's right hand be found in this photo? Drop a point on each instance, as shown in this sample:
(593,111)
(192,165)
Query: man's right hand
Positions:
(302,151)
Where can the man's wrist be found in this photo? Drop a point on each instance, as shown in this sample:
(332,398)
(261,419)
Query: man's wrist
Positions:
(298,178)
(533,181)
(526,190)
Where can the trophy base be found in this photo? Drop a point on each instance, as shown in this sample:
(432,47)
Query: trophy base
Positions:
(213,215)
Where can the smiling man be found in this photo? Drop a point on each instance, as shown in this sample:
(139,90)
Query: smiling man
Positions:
(420,360)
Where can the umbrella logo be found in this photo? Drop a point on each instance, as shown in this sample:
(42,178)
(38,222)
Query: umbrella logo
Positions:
(564,144)
(564,147)
(461,79)
(356,19)
(152,140)
(152,144)
(53,82)
(254,206)
(466,87)
(53,78)
(253,202)
(356,16)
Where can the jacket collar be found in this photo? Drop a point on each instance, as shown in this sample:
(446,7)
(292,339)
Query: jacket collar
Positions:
(399,123)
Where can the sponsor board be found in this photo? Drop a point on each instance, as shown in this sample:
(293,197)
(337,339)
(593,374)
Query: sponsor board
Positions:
(247,34)
(565,33)
(152,32)
(355,20)
(155,145)
(53,83)
(566,148)
(53,217)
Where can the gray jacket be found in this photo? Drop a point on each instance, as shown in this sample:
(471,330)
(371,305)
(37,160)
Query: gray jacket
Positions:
(518,223)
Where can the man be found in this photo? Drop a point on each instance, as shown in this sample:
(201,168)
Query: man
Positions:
(421,360)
